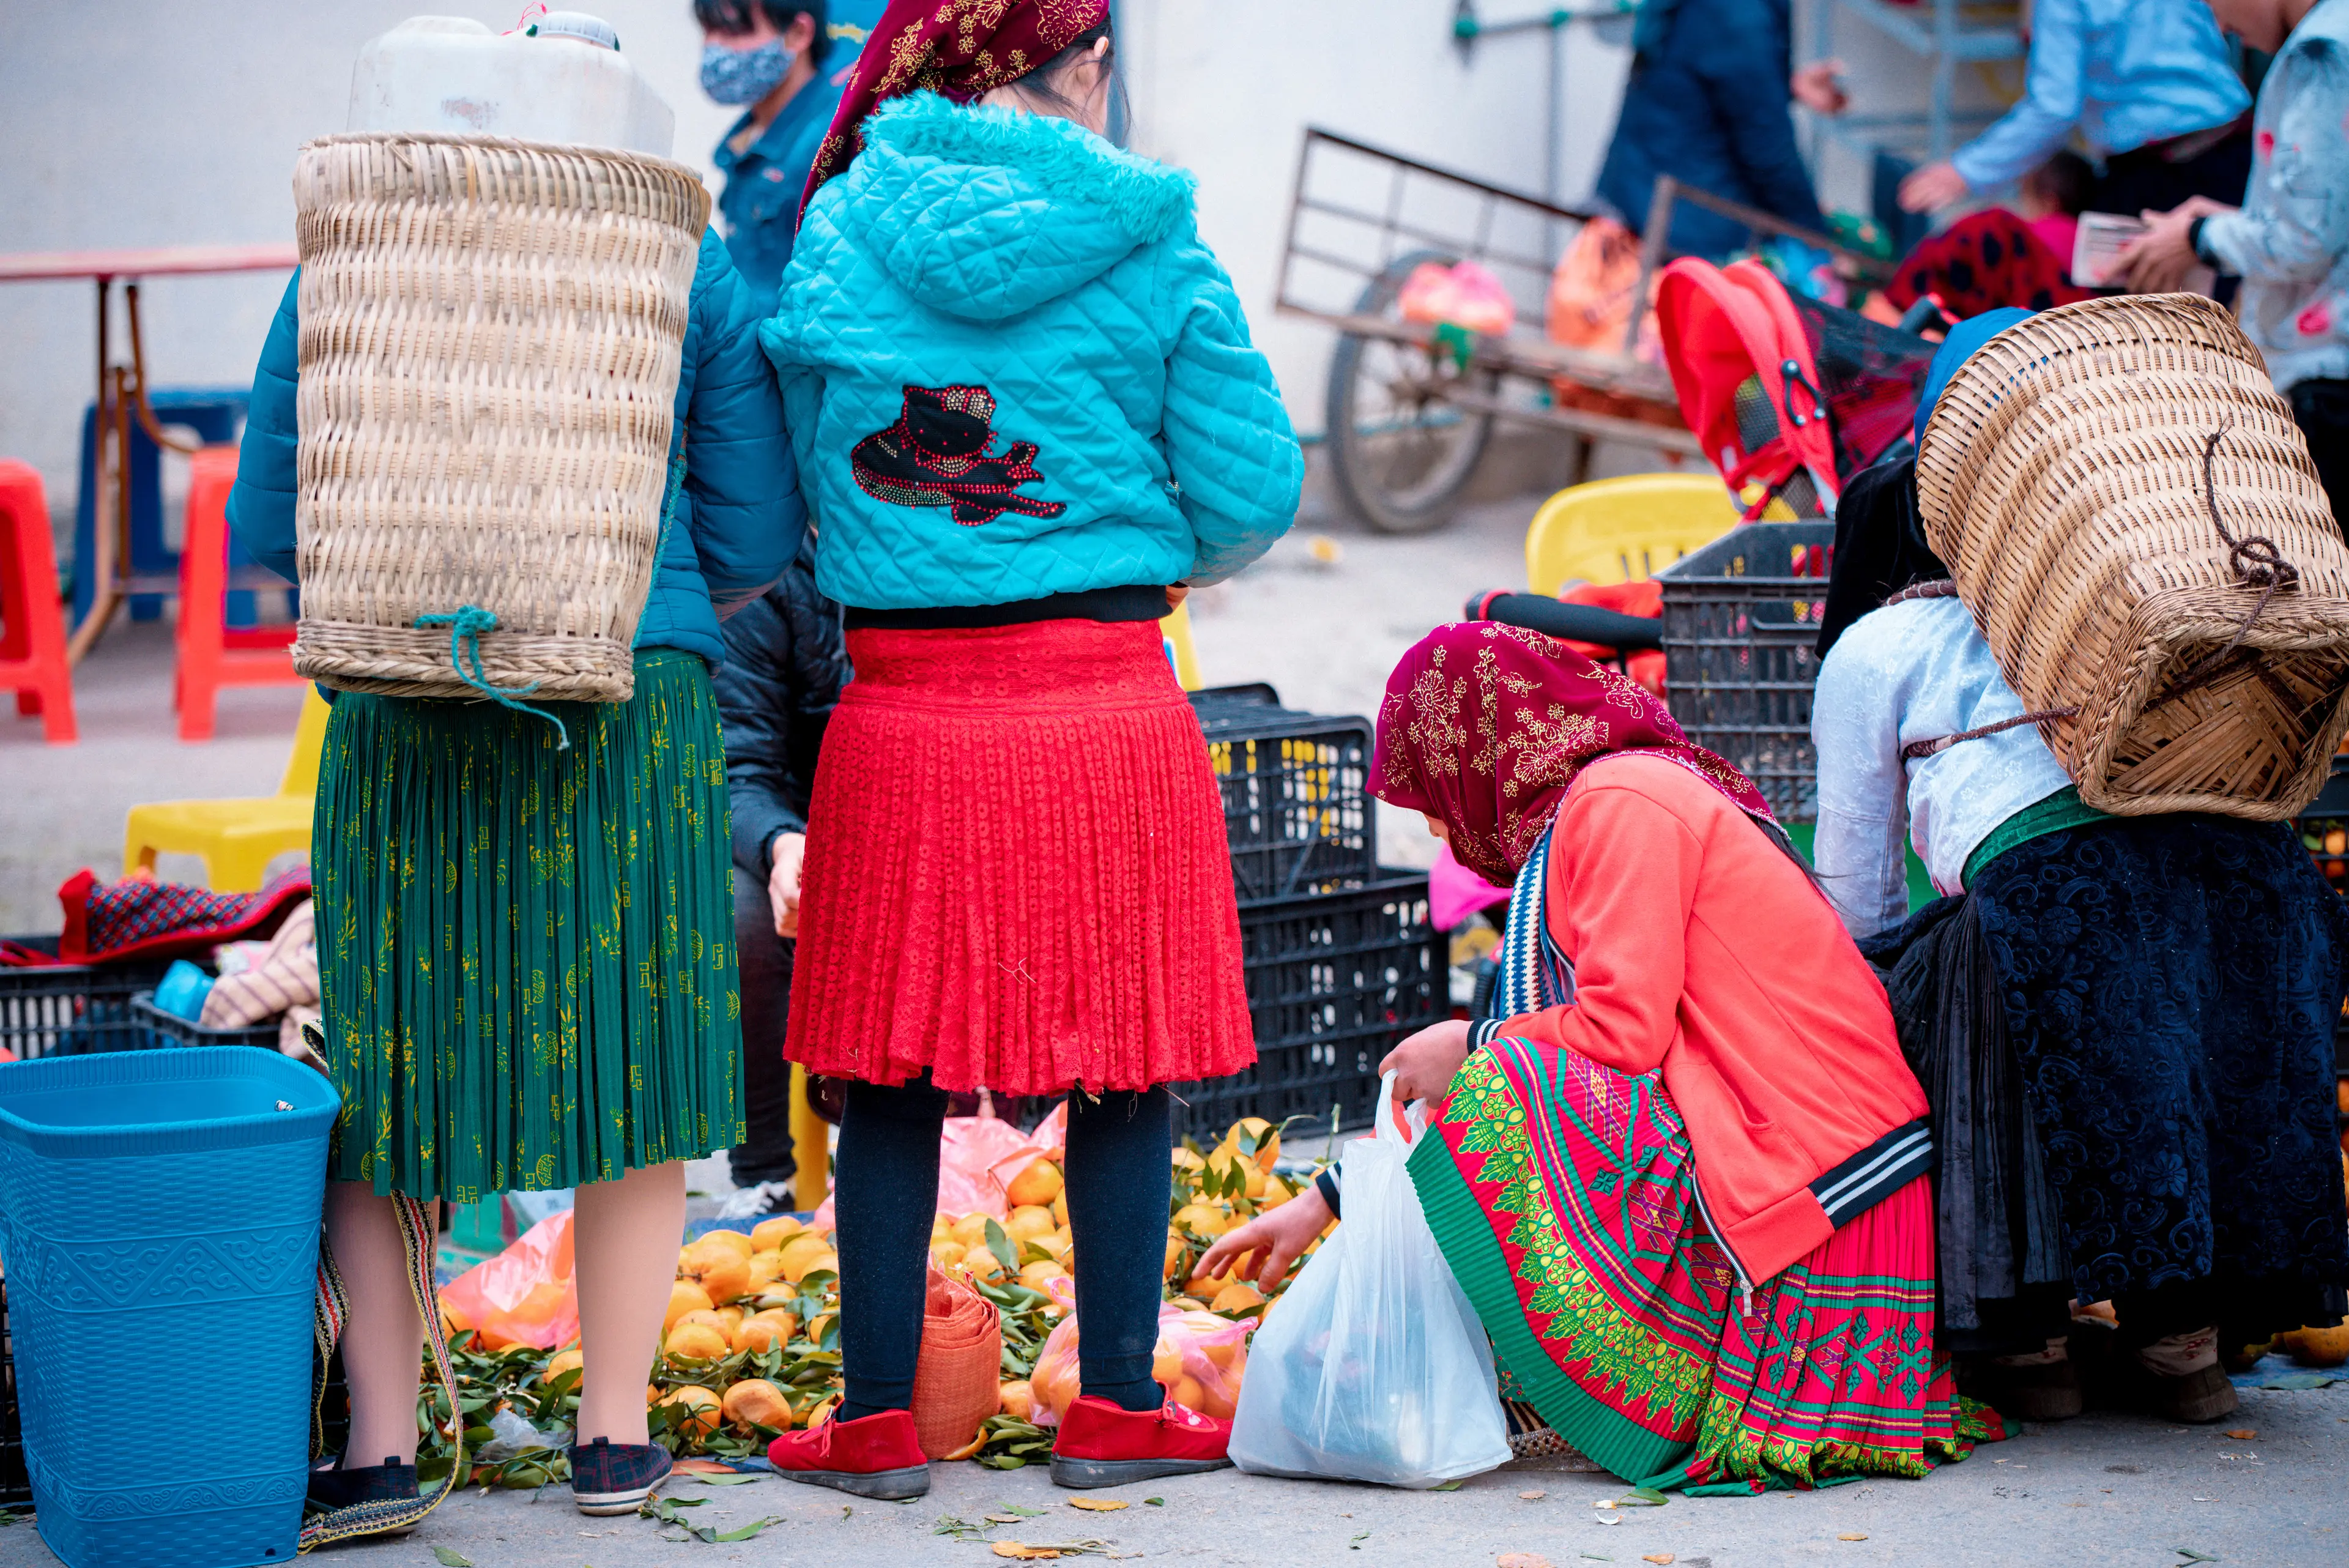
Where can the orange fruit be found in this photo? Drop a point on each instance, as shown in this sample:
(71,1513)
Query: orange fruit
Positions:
(981,1264)
(970,1230)
(709,1317)
(561,1362)
(1036,1273)
(454,1322)
(799,1252)
(695,1342)
(756,1401)
(1189,1161)
(697,1410)
(1028,1223)
(652,1394)
(2320,1346)
(1038,1184)
(712,1263)
(1275,1193)
(1223,1161)
(947,1255)
(807,1264)
(684,1296)
(766,1268)
(1060,1210)
(1166,1364)
(768,1234)
(765,1332)
(1225,1353)
(1208,1286)
(1176,1255)
(1237,1296)
(741,1245)
(1016,1399)
(1215,1401)
(818,1325)
(1201,1220)
(1266,1137)
(1187,1392)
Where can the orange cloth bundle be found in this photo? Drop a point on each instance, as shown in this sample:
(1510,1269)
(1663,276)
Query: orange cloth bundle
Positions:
(957,1382)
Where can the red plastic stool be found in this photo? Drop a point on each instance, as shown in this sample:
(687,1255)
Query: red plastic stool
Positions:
(32,632)
(212,655)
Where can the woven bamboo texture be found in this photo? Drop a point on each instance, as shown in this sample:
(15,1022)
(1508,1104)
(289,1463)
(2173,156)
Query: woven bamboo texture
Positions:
(490,337)
(2061,479)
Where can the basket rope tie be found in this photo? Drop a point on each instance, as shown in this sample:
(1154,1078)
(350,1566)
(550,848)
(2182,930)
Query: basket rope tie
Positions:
(2256,562)
(1917,751)
(465,623)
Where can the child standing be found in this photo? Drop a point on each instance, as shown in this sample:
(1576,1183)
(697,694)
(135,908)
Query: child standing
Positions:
(1027,410)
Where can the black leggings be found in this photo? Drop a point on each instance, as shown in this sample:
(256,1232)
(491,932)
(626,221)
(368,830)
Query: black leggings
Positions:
(1120,1181)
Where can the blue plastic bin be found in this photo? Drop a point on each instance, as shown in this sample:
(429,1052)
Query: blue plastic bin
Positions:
(177,1189)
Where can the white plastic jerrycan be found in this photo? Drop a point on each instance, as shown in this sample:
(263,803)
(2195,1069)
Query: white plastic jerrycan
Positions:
(563,81)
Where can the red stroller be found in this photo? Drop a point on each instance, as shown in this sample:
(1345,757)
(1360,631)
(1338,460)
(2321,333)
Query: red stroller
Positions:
(1789,397)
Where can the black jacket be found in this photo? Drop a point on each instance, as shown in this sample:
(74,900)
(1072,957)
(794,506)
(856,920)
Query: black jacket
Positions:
(786,661)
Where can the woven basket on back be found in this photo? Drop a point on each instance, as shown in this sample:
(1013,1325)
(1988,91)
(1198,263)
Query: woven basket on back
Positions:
(2061,479)
(490,335)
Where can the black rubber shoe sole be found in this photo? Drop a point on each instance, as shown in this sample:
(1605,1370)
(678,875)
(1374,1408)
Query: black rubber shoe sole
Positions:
(884,1486)
(1083,1475)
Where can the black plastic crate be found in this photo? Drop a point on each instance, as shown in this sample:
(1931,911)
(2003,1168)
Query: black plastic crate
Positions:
(156,1027)
(1297,803)
(66,1009)
(1334,980)
(1740,618)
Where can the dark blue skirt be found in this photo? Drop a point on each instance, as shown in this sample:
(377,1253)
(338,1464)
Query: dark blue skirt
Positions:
(2171,988)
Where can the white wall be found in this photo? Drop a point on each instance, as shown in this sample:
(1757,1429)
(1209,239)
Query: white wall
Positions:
(153,122)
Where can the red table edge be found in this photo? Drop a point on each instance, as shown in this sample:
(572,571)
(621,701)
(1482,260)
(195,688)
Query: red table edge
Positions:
(151,262)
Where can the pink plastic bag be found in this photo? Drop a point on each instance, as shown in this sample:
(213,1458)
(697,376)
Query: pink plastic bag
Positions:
(1199,1360)
(1454,892)
(1464,294)
(525,1296)
(978,1158)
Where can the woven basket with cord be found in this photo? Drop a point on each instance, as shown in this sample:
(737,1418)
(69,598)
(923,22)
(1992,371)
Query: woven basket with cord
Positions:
(2129,511)
(490,337)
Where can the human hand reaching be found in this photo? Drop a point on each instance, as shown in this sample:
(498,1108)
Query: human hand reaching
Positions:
(1932,188)
(2157,260)
(1269,1243)
(789,854)
(1425,1064)
(1818,86)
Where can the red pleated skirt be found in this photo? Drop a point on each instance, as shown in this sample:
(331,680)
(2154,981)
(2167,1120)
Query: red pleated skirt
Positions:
(1017,872)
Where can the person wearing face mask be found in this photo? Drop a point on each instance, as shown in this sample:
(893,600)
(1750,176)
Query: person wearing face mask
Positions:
(768,56)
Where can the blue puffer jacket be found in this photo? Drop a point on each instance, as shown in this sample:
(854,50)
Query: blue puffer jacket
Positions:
(1011,369)
(737,522)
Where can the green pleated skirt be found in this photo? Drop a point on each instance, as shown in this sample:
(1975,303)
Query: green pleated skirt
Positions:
(526,954)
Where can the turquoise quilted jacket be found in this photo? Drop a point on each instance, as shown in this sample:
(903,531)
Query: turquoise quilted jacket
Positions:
(1010,369)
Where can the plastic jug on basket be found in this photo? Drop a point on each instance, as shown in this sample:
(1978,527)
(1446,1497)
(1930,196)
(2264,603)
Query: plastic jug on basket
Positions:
(1375,1368)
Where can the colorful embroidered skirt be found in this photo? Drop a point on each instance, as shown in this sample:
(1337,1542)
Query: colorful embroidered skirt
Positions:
(1564,1197)
(526,955)
(1018,874)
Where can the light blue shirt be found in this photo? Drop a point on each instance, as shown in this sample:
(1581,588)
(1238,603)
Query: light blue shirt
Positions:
(2125,72)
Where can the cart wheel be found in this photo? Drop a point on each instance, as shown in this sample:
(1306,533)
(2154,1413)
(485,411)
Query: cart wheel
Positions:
(1398,449)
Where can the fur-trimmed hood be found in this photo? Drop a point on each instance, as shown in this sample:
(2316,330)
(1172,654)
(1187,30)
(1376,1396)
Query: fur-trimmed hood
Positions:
(986,212)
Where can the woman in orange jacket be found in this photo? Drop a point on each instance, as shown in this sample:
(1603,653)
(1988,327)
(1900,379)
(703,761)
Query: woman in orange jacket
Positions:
(1680,1173)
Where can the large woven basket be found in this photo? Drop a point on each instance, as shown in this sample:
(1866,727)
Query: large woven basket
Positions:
(491,335)
(2062,479)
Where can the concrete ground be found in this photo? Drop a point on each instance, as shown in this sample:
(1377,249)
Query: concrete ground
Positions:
(2103,1492)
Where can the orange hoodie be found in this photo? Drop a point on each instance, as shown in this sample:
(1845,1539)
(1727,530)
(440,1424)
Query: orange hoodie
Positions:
(1698,948)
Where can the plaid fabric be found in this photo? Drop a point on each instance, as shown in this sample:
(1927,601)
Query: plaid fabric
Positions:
(159,920)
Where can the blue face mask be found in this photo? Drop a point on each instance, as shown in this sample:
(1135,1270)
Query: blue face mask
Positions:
(743,76)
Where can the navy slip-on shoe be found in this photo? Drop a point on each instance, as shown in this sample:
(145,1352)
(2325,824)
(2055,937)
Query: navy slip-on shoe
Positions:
(616,1478)
(344,1486)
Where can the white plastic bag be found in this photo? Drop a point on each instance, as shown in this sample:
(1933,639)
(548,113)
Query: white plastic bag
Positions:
(1374,1366)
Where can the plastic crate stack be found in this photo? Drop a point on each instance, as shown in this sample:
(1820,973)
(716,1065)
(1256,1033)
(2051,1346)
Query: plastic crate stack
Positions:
(1740,616)
(1342,958)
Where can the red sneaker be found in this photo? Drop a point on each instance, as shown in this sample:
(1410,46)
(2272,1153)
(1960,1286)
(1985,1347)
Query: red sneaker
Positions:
(874,1455)
(1103,1444)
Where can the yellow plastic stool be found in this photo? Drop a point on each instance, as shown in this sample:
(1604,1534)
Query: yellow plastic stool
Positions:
(236,838)
(1177,629)
(1622,530)
(810,1147)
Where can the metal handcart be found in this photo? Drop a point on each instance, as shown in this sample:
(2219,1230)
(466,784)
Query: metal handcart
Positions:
(1410,407)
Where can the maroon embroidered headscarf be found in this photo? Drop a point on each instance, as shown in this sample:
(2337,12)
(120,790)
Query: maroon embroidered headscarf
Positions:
(1484,726)
(960,49)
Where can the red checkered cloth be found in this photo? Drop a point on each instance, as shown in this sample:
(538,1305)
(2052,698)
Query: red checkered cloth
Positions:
(140,918)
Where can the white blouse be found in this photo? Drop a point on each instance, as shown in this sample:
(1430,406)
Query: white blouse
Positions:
(1914,671)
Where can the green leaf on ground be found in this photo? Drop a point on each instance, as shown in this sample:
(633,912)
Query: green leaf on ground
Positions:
(2188,1555)
(1356,1543)
(1642,1496)
(726,1480)
(1452,1485)
(449,1557)
(745,1534)
(1154,1501)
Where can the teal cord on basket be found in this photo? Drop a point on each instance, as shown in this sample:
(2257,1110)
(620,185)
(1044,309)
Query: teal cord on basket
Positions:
(466,624)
